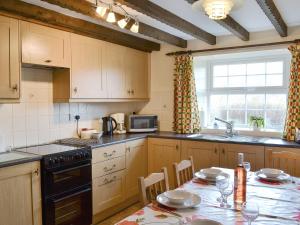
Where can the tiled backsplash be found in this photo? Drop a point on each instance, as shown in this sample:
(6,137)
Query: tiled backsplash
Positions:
(37,120)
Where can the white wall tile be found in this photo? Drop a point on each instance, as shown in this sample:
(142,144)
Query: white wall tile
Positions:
(43,122)
(19,123)
(32,138)
(32,123)
(19,139)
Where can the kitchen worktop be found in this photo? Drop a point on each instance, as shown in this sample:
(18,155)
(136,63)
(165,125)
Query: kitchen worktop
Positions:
(14,158)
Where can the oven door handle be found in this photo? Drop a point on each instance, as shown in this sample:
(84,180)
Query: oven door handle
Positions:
(70,169)
(72,195)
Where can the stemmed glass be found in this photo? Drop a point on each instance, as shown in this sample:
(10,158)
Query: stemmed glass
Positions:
(222,184)
(250,211)
(247,167)
(226,193)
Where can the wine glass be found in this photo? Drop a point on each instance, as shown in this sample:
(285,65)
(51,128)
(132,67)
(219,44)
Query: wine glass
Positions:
(247,167)
(250,211)
(221,183)
(226,193)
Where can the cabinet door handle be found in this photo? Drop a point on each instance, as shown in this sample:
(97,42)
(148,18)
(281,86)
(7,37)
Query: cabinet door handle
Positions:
(36,172)
(216,151)
(223,151)
(128,92)
(15,88)
(132,91)
(177,147)
(48,61)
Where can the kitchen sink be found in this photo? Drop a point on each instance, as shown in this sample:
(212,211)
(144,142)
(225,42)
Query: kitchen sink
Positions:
(236,138)
(209,136)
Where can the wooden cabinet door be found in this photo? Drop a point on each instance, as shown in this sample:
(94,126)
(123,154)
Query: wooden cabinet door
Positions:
(136,165)
(163,153)
(45,46)
(20,194)
(9,59)
(290,167)
(88,79)
(115,70)
(252,153)
(205,154)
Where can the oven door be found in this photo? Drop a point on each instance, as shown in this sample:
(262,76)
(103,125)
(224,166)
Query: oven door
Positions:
(73,208)
(140,123)
(66,178)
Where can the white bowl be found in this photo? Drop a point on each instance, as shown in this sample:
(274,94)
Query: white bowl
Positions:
(178,196)
(211,172)
(271,173)
(204,222)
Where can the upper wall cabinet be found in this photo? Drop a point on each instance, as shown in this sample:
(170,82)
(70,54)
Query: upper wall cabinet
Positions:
(9,59)
(88,78)
(45,46)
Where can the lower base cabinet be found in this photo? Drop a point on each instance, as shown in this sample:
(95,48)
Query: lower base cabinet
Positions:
(20,195)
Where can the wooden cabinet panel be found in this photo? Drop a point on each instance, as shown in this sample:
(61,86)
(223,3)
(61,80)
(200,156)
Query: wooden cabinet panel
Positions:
(205,154)
(9,59)
(88,79)
(45,46)
(136,165)
(253,154)
(20,194)
(163,153)
(108,191)
(286,165)
(109,152)
(107,167)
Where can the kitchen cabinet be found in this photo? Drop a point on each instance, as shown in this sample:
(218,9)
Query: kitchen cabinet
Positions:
(205,154)
(136,165)
(252,153)
(88,78)
(9,59)
(45,46)
(287,166)
(163,153)
(20,194)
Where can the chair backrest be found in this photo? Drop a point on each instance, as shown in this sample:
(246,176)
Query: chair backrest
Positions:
(184,171)
(153,185)
(286,161)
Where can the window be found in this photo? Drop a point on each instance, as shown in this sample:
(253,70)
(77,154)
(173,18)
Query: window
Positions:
(234,87)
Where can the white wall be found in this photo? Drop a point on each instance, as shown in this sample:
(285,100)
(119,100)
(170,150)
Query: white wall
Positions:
(37,120)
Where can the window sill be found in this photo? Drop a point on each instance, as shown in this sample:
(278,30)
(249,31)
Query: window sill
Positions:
(247,132)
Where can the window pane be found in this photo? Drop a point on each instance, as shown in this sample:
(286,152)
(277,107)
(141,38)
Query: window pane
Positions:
(276,101)
(236,101)
(220,113)
(256,68)
(237,81)
(254,112)
(220,82)
(275,119)
(218,101)
(274,80)
(238,116)
(238,69)
(220,70)
(255,101)
(200,78)
(256,81)
(274,67)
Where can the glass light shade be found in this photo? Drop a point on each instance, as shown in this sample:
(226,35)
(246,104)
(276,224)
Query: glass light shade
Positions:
(111,18)
(217,9)
(101,10)
(135,27)
(123,22)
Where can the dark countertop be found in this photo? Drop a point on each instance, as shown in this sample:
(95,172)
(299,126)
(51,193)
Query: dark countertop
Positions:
(14,158)
(249,140)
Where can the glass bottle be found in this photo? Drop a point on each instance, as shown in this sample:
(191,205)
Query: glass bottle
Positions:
(240,179)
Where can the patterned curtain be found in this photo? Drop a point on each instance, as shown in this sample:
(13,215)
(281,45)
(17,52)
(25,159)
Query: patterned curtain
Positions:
(293,110)
(186,112)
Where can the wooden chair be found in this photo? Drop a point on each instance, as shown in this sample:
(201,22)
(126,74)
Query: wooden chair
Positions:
(286,161)
(183,171)
(153,185)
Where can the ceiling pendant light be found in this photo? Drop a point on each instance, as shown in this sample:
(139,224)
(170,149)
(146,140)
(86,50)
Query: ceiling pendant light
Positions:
(135,27)
(123,22)
(111,18)
(101,10)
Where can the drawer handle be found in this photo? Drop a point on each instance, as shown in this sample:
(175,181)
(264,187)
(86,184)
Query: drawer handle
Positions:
(106,155)
(107,181)
(15,88)
(132,92)
(110,169)
(48,61)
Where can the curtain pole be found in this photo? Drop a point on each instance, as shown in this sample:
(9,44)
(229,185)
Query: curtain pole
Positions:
(230,48)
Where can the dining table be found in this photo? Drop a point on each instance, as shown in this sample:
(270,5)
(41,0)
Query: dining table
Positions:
(279,204)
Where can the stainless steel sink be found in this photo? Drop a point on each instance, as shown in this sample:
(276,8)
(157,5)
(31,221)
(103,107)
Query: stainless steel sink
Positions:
(236,138)
(209,136)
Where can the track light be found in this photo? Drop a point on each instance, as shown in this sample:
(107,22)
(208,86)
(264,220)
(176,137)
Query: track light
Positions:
(111,18)
(101,10)
(123,22)
(135,27)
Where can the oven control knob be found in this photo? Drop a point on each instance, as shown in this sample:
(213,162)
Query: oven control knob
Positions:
(77,156)
(55,160)
(86,155)
(50,161)
(61,159)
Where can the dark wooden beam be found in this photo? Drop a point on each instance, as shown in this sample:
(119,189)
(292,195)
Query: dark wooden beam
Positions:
(25,11)
(230,24)
(271,11)
(150,9)
(86,8)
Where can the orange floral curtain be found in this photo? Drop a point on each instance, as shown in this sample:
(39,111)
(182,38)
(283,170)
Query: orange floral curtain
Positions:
(293,110)
(186,112)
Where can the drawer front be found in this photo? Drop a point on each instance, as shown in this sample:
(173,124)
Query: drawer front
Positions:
(107,153)
(107,167)
(108,191)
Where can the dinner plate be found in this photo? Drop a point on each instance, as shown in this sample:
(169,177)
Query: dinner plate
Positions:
(281,178)
(192,202)
(205,222)
(202,176)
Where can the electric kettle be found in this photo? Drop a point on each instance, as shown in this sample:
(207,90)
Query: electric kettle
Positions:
(109,125)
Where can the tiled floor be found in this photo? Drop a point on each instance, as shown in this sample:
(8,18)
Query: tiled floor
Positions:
(121,215)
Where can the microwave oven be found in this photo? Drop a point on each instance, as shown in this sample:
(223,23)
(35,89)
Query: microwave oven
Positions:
(142,123)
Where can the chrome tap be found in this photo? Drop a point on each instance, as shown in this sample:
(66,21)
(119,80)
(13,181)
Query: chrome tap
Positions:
(229,127)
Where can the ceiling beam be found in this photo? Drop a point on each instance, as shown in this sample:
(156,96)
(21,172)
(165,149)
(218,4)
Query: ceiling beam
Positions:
(32,13)
(271,11)
(86,8)
(150,9)
(230,24)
